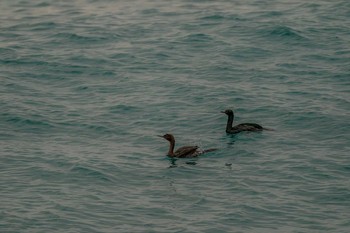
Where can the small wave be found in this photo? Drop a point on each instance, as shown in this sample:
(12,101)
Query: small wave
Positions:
(43,26)
(98,128)
(284,32)
(273,14)
(73,37)
(90,172)
(33,122)
(102,129)
(198,37)
(8,54)
(150,11)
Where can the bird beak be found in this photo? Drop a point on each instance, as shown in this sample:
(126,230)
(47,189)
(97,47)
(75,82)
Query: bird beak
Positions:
(160,136)
(222,111)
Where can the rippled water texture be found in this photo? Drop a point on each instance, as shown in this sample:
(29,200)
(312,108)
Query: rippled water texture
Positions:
(87,85)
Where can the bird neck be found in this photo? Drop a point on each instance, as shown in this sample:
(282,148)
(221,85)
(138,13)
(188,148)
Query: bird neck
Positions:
(229,122)
(171,148)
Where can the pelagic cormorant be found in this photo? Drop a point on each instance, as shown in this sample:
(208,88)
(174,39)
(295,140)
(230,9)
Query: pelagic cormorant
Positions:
(241,127)
(182,152)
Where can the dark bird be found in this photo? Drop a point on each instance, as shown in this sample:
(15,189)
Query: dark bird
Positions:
(241,127)
(182,152)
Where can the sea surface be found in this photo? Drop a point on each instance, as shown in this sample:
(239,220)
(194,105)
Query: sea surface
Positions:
(86,86)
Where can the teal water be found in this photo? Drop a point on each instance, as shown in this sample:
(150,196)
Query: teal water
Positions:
(87,85)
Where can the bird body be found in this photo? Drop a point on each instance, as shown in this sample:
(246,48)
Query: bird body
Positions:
(186,151)
(183,152)
(240,127)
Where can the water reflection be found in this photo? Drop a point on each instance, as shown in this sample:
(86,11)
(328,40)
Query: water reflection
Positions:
(174,162)
(231,139)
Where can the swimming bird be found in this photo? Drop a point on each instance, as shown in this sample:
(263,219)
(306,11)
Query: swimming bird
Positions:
(241,127)
(182,152)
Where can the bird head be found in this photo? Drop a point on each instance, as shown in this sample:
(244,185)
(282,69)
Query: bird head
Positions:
(228,112)
(168,137)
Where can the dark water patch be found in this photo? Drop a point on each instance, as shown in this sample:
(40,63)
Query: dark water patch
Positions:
(124,109)
(25,61)
(150,11)
(42,4)
(106,73)
(214,17)
(123,56)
